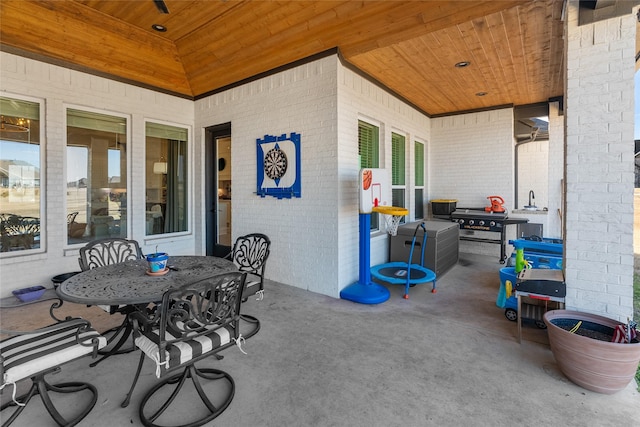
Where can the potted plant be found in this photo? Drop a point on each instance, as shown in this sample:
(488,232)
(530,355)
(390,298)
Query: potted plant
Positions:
(582,346)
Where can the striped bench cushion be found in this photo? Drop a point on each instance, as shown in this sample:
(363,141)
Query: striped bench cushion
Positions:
(183,351)
(29,354)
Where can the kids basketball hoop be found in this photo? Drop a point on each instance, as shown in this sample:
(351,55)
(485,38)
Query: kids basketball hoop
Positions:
(392,216)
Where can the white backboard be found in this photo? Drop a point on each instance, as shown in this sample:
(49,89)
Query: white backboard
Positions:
(374,189)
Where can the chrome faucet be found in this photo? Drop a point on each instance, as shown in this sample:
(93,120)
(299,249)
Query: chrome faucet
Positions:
(532,196)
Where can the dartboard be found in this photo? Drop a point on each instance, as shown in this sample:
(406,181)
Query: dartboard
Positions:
(275,163)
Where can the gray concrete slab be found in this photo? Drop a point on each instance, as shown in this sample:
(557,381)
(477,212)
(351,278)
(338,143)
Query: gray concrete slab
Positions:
(449,358)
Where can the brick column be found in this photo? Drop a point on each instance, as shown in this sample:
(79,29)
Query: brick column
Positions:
(599,169)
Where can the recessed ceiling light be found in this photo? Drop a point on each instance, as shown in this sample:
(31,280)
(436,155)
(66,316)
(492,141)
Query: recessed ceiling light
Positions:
(462,64)
(481,93)
(159,28)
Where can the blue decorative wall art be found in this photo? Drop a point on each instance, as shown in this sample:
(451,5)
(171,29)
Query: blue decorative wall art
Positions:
(278,173)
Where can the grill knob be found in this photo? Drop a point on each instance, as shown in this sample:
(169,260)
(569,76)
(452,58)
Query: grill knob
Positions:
(471,222)
(481,222)
(492,223)
(461,221)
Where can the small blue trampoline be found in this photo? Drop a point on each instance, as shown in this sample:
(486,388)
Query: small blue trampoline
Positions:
(405,273)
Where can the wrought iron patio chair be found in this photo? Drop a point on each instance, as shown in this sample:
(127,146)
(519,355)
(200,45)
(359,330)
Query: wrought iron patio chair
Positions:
(35,354)
(108,251)
(19,232)
(113,250)
(250,253)
(192,322)
(71,219)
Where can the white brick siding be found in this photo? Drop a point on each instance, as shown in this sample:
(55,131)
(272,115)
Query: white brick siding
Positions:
(59,88)
(600,165)
(315,239)
(360,99)
(303,231)
(553,225)
(472,158)
(532,158)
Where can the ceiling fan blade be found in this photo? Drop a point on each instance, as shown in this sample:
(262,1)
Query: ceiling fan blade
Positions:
(162,7)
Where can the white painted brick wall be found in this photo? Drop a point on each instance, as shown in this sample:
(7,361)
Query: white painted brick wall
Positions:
(600,165)
(553,223)
(532,158)
(315,239)
(359,99)
(321,100)
(304,230)
(60,88)
(490,170)
(471,154)
(471,158)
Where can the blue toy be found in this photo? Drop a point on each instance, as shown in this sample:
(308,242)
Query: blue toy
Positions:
(511,308)
(531,312)
(405,273)
(373,188)
(539,252)
(364,291)
(531,252)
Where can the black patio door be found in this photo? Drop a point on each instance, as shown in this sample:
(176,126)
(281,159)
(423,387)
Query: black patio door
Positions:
(217,191)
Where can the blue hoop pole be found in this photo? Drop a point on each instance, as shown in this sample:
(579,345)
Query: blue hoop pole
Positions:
(365,291)
(365,249)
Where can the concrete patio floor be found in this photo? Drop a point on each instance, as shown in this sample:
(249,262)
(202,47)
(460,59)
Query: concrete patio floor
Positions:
(449,358)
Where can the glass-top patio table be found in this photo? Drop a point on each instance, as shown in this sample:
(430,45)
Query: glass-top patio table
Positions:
(129,283)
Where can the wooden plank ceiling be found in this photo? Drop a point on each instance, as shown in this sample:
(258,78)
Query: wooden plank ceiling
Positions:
(514,47)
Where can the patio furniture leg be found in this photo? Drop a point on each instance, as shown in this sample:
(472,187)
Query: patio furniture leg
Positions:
(126,330)
(42,387)
(214,408)
(252,320)
(70,387)
(127,399)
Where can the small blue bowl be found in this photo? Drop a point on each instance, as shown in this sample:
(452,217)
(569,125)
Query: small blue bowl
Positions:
(29,294)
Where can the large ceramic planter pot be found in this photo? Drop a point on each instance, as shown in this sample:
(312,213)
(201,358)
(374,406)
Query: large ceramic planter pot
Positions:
(587,356)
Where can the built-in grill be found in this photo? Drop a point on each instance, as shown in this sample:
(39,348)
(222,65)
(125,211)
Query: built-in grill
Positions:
(477,219)
(470,219)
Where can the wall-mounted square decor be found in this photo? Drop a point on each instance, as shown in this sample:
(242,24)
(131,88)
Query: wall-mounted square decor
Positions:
(278,173)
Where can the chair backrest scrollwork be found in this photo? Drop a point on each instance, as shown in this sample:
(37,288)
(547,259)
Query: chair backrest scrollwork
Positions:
(18,232)
(250,252)
(109,251)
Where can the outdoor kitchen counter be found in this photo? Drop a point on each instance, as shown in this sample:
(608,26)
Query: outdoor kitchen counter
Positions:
(527,212)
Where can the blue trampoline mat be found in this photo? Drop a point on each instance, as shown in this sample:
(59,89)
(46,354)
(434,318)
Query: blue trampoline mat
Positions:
(396,273)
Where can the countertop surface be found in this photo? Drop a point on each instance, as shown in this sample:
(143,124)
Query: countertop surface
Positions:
(528,212)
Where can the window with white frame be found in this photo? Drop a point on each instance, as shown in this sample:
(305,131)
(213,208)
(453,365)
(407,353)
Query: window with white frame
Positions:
(369,152)
(20,175)
(166,179)
(96,176)
(419,179)
(398,171)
